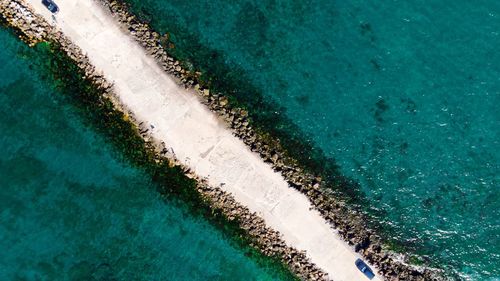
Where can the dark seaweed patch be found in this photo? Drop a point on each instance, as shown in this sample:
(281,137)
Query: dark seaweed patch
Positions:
(380,108)
(367,31)
(366,28)
(303,99)
(410,105)
(251,28)
(375,64)
(403,148)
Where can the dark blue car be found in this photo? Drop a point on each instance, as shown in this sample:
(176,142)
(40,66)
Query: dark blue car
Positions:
(51,6)
(363,267)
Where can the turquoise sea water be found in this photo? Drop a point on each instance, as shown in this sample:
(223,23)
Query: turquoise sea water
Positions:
(70,210)
(404,95)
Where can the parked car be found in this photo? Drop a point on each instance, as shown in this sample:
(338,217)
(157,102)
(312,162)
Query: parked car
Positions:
(51,5)
(363,267)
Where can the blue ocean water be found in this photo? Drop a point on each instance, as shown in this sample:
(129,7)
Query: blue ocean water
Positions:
(403,94)
(71,210)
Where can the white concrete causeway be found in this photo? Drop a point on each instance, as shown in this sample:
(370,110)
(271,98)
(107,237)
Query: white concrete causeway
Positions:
(198,138)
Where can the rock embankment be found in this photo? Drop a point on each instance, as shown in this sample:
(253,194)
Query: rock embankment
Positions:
(350,224)
(33,29)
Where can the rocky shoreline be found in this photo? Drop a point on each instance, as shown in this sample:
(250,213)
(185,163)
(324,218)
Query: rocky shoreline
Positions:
(350,224)
(33,29)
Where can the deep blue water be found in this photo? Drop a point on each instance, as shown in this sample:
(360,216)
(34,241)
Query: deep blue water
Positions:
(403,94)
(71,210)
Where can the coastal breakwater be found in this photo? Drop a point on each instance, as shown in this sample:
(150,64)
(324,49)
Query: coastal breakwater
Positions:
(350,224)
(35,29)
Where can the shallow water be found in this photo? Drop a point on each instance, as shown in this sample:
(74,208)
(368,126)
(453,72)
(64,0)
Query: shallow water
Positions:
(70,210)
(403,94)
